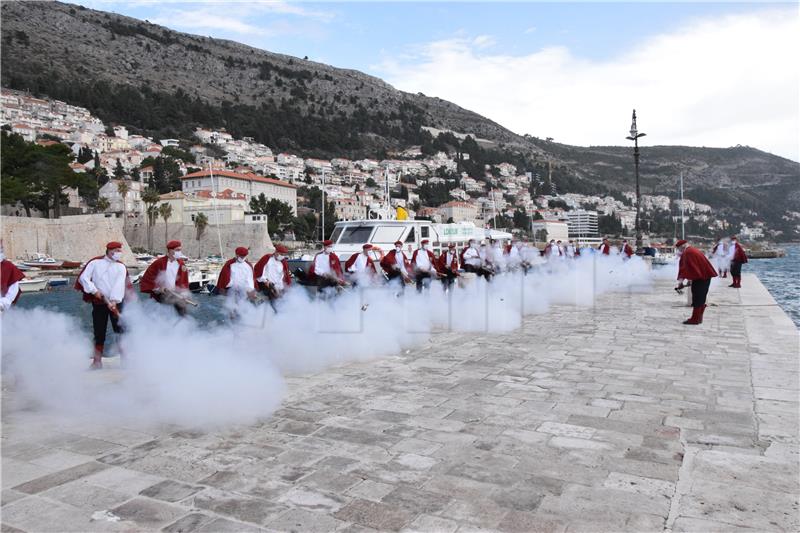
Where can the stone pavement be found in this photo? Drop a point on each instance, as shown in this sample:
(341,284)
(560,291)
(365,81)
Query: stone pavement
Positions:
(614,418)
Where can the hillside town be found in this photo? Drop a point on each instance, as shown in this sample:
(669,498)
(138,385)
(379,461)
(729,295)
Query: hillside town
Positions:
(219,176)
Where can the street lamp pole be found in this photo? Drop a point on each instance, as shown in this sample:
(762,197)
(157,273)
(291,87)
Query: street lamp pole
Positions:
(634,136)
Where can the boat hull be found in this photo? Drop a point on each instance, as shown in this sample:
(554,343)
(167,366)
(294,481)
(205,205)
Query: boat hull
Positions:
(32,285)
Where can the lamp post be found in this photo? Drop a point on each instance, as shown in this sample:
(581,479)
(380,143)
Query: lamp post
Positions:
(634,136)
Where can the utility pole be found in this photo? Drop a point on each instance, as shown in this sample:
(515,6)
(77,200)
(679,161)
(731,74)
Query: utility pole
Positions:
(634,136)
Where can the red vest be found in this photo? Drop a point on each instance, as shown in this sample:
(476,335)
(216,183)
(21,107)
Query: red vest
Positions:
(370,263)
(258,270)
(225,275)
(694,265)
(389,262)
(453,266)
(149,281)
(9,275)
(431,258)
(333,260)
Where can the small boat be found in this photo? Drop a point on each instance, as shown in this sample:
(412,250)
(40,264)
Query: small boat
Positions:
(43,261)
(70,264)
(145,258)
(199,279)
(57,282)
(33,285)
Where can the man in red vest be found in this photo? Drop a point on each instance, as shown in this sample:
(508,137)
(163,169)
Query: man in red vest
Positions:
(605,247)
(626,250)
(424,265)
(10,277)
(738,258)
(272,273)
(396,264)
(694,267)
(361,268)
(326,269)
(104,283)
(166,280)
(448,265)
(236,277)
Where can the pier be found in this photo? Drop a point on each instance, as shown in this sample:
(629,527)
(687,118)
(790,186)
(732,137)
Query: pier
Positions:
(608,418)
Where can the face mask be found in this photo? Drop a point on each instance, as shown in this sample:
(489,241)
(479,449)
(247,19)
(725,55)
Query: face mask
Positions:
(116,256)
(424,246)
(327,250)
(278,257)
(398,248)
(240,259)
(179,255)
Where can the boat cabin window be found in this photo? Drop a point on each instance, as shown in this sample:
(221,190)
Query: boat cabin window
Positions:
(387,234)
(425,232)
(410,237)
(356,235)
(334,237)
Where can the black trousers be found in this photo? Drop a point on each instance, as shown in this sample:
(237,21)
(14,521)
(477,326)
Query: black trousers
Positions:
(486,273)
(449,278)
(700,291)
(180,309)
(421,278)
(736,269)
(100,316)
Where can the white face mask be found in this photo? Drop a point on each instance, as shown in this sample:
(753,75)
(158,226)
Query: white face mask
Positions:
(398,248)
(178,254)
(278,257)
(116,256)
(239,259)
(327,250)
(424,246)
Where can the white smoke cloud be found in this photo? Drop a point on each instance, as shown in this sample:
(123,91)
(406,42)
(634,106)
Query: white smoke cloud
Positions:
(210,375)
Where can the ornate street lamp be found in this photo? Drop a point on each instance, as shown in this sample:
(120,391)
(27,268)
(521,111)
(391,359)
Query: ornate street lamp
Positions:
(634,136)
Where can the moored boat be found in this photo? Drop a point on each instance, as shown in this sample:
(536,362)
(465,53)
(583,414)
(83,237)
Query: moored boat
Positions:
(57,282)
(43,261)
(33,285)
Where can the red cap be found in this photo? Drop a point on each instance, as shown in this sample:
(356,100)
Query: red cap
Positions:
(425,241)
(680,243)
(367,246)
(327,242)
(281,249)
(171,245)
(113,244)
(733,237)
(451,245)
(398,243)
(241,251)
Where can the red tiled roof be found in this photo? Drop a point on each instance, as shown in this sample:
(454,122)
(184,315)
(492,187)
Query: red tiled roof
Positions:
(236,175)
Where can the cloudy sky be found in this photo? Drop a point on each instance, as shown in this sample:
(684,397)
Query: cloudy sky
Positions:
(715,74)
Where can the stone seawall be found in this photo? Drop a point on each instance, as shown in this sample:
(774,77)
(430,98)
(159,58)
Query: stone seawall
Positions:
(73,238)
(253,236)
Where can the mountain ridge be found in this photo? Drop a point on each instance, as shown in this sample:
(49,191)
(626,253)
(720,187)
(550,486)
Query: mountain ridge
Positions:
(162,81)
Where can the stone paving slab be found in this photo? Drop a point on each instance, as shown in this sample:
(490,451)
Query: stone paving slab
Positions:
(609,418)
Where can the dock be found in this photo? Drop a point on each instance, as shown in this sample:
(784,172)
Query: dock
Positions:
(608,418)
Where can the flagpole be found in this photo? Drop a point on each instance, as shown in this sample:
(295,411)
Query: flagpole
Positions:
(214,193)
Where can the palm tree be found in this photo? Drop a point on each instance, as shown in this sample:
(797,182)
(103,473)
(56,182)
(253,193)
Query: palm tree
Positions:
(165,210)
(150,198)
(123,188)
(101,205)
(200,224)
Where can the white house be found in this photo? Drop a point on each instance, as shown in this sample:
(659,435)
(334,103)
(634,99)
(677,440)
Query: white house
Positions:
(249,185)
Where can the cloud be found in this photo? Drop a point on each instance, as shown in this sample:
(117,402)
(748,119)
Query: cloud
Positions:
(714,82)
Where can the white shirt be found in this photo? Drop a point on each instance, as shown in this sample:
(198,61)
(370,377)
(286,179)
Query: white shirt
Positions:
(241,277)
(720,251)
(423,261)
(554,250)
(514,256)
(472,257)
(449,259)
(322,264)
(731,250)
(105,276)
(273,273)
(400,261)
(171,272)
(570,250)
(359,265)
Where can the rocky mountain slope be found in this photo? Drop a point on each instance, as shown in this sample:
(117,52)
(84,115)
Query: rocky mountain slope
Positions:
(165,83)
